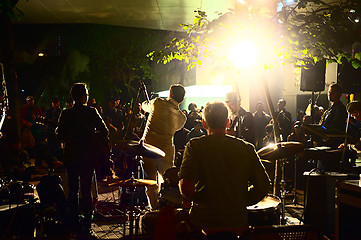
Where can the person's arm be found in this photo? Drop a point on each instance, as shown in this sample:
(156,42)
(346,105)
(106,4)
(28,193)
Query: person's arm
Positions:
(188,175)
(187,188)
(24,122)
(147,106)
(259,180)
(60,130)
(39,112)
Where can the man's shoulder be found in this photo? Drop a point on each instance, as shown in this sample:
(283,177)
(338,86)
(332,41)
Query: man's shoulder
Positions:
(212,138)
(159,100)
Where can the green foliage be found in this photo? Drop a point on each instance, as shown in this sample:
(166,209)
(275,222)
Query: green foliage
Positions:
(302,33)
(318,29)
(184,47)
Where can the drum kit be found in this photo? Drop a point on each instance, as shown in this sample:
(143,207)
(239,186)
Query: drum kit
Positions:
(266,212)
(278,153)
(136,150)
(16,192)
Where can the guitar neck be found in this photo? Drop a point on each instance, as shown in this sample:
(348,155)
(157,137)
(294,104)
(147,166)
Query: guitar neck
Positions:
(2,118)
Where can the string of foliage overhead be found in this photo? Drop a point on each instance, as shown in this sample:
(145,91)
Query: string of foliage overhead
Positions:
(301,33)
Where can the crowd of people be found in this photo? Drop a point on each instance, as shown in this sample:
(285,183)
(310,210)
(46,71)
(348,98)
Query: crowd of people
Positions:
(217,140)
(38,124)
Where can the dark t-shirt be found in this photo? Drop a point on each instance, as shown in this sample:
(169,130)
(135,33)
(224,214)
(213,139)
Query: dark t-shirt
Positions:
(222,166)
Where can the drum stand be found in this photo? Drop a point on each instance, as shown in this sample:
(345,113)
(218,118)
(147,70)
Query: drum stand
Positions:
(283,190)
(295,201)
(133,216)
(132,212)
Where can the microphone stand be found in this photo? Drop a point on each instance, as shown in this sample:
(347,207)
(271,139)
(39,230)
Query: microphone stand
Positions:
(134,166)
(141,89)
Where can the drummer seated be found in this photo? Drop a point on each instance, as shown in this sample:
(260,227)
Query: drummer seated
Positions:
(215,174)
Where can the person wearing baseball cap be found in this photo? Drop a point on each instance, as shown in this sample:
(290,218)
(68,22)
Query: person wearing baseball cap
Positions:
(354,108)
(242,123)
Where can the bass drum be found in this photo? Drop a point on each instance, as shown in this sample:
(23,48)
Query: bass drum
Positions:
(266,212)
(169,193)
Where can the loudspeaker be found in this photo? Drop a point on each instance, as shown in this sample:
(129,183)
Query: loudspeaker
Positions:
(349,78)
(320,200)
(313,78)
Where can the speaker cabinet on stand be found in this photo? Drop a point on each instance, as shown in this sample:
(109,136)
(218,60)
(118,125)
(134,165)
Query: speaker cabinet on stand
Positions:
(313,79)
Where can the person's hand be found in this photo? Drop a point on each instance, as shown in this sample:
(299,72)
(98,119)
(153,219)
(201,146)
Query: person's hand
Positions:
(342,145)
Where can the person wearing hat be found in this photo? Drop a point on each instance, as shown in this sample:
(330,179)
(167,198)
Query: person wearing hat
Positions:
(242,123)
(32,134)
(354,108)
(298,134)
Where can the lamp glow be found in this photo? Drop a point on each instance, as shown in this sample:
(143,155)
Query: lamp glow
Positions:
(244,54)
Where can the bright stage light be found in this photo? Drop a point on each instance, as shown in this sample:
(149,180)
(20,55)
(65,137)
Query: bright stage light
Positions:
(241,1)
(202,91)
(244,54)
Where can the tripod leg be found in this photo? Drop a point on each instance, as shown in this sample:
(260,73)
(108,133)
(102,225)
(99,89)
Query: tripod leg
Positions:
(294,201)
(283,192)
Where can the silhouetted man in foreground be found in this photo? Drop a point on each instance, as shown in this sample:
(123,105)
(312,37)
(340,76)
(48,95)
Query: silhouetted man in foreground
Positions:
(79,126)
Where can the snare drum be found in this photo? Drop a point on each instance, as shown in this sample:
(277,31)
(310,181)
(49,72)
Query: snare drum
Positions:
(169,193)
(170,177)
(265,212)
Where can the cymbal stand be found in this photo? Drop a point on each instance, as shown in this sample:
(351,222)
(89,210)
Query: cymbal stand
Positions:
(133,213)
(283,190)
(295,201)
(132,210)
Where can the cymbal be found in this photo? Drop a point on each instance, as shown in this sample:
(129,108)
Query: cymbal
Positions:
(280,150)
(133,182)
(324,153)
(265,161)
(323,131)
(140,148)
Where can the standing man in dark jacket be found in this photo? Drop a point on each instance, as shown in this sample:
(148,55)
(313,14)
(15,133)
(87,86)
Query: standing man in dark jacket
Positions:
(335,117)
(284,119)
(261,120)
(52,117)
(242,123)
(78,129)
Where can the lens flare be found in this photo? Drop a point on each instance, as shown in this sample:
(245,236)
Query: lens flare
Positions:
(244,54)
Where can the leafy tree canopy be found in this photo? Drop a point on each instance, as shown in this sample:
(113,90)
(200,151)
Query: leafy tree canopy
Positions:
(302,33)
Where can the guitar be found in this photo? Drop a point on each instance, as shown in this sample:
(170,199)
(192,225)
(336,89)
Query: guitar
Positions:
(3,115)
